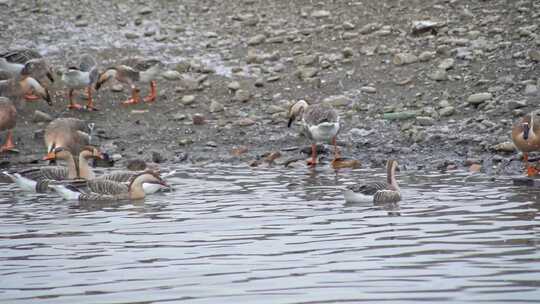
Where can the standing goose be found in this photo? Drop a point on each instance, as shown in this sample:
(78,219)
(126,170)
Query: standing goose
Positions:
(111,191)
(526,137)
(131,72)
(37,179)
(378,192)
(70,133)
(320,124)
(25,62)
(81,77)
(13,89)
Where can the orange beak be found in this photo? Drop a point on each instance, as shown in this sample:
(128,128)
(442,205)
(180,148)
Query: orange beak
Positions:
(49,156)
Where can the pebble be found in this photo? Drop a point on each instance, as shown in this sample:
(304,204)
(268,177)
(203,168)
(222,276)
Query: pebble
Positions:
(447,111)
(438,75)
(446,64)
(426,56)
(242,95)
(256,40)
(320,14)
(131,35)
(81,23)
(399,115)
(348,52)
(404,58)
(117,88)
(504,147)
(235,85)
(370,28)
(216,106)
(40,116)
(348,26)
(337,100)
(478,98)
(531,90)
(244,122)
(368,89)
(425,120)
(307,72)
(188,99)
(172,75)
(145,10)
(534,55)
(198,119)
(516,104)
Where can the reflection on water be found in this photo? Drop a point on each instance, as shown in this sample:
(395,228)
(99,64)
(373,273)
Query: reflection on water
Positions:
(232,235)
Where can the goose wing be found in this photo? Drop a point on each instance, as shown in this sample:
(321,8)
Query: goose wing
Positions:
(368,189)
(20,56)
(119,176)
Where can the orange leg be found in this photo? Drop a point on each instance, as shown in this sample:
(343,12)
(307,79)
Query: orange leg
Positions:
(135,98)
(8,145)
(31,97)
(73,105)
(153,92)
(336,149)
(313,162)
(530,170)
(90,103)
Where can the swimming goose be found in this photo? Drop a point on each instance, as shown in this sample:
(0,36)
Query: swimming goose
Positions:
(13,89)
(37,179)
(320,124)
(131,72)
(109,190)
(81,77)
(526,137)
(378,192)
(70,133)
(25,62)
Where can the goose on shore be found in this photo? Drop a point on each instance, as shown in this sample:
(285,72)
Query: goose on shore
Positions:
(70,133)
(320,124)
(377,192)
(80,77)
(526,137)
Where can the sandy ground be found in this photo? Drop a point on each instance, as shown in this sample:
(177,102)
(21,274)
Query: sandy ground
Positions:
(239,64)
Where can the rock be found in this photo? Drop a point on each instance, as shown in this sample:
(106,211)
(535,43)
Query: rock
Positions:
(320,14)
(40,116)
(399,115)
(534,55)
(256,40)
(216,106)
(423,26)
(198,119)
(81,23)
(172,75)
(188,99)
(179,116)
(307,72)
(117,88)
(337,100)
(235,85)
(404,58)
(478,98)
(426,56)
(348,26)
(368,89)
(307,59)
(244,122)
(145,10)
(349,35)
(242,95)
(425,120)
(158,157)
(531,90)
(516,104)
(447,111)
(446,64)
(438,75)
(370,28)
(475,168)
(131,35)
(347,52)
(507,146)
(116,157)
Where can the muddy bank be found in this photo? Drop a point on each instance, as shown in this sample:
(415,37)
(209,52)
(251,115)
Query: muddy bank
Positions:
(438,94)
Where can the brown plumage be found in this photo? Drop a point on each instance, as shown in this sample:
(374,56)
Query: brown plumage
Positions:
(526,137)
(70,133)
(377,192)
(8,120)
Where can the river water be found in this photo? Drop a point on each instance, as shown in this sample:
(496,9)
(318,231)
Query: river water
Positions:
(242,235)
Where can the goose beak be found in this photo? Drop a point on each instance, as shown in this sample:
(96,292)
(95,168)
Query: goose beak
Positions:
(101,80)
(291,119)
(47,97)
(49,156)
(50,76)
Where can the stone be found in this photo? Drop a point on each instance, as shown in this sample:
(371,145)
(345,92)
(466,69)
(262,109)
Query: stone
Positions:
(40,116)
(404,58)
(370,28)
(399,115)
(507,147)
(235,85)
(337,100)
(198,119)
(531,90)
(307,72)
(171,75)
(446,64)
(368,89)
(516,104)
(188,99)
(131,35)
(216,106)
(242,95)
(348,26)
(244,122)
(347,52)
(426,56)
(438,75)
(478,98)
(447,111)
(425,120)
(256,40)
(145,10)
(81,23)
(534,55)
(320,14)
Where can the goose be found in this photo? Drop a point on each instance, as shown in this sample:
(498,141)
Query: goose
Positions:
(13,89)
(320,124)
(70,133)
(106,190)
(131,72)
(377,192)
(526,137)
(81,77)
(37,179)
(25,62)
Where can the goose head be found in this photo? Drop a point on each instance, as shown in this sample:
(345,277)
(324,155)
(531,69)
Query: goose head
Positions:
(91,152)
(58,153)
(37,67)
(105,76)
(296,110)
(30,84)
(148,177)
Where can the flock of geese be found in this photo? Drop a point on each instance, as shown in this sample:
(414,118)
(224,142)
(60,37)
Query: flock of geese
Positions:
(27,76)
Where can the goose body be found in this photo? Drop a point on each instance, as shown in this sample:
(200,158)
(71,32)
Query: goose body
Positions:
(319,123)
(378,192)
(25,62)
(106,190)
(79,77)
(70,133)
(526,137)
(132,72)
